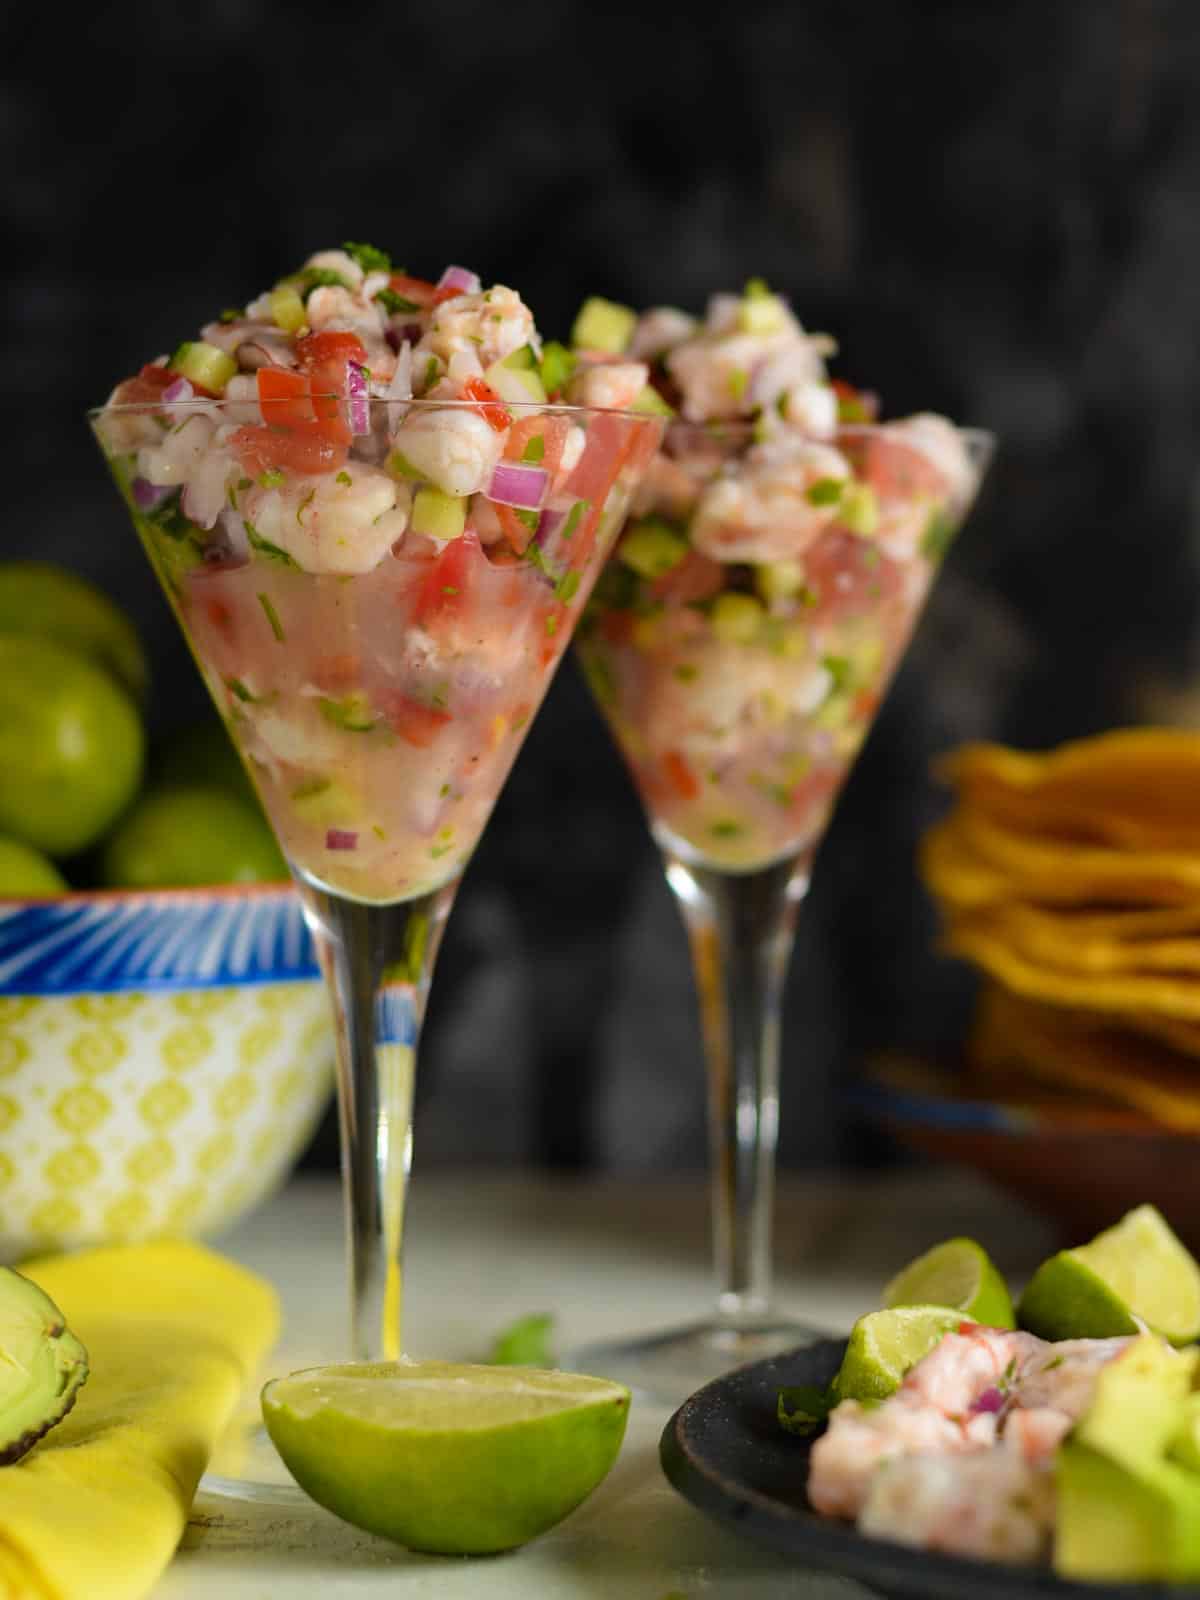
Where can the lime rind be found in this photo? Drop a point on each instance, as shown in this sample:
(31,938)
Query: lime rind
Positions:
(1147,1266)
(885,1345)
(956,1273)
(1065,1299)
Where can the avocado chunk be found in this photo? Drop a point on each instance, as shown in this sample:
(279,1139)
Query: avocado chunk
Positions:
(42,1365)
(603,325)
(1126,1512)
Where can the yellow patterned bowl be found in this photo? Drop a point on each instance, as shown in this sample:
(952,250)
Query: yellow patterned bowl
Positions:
(164,1058)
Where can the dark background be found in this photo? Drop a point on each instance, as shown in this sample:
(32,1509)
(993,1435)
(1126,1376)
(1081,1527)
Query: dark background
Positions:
(994,207)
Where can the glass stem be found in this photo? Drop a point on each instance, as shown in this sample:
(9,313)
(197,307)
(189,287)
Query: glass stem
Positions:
(741,928)
(377,961)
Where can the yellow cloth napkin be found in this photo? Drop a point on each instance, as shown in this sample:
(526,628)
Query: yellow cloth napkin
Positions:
(173,1333)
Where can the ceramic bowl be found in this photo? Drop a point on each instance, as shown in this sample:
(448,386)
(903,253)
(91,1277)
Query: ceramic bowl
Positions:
(164,1058)
(1078,1163)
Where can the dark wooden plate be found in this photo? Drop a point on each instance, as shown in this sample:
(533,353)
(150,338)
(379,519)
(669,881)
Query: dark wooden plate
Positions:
(725,1452)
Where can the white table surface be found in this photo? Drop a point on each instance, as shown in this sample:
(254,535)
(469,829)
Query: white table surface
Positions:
(607,1259)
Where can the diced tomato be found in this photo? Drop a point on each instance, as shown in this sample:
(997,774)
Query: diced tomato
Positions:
(146,388)
(517,532)
(338,673)
(325,358)
(610,439)
(284,396)
(220,616)
(415,723)
(695,578)
(316,448)
(551,430)
(895,468)
(854,404)
(419,290)
(849,577)
(680,776)
(491,408)
(445,591)
(866,703)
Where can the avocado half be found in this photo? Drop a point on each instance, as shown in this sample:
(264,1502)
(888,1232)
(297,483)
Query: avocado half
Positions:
(43,1366)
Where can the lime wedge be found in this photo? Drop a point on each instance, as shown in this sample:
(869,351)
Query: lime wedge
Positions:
(957,1273)
(455,1460)
(1135,1271)
(883,1346)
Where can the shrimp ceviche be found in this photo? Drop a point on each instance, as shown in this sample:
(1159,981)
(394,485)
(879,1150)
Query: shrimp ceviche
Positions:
(378,525)
(961,1458)
(782,545)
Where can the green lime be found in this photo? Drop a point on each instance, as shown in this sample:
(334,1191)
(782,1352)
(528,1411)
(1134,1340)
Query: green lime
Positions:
(1135,1271)
(204,754)
(457,1460)
(883,1345)
(956,1273)
(71,746)
(181,836)
(28,872)
(36,597)
(1185,1443)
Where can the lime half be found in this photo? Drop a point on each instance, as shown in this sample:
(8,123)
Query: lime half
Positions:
(456,1460)
(956,1273)
(883,1346)
(1135,1271)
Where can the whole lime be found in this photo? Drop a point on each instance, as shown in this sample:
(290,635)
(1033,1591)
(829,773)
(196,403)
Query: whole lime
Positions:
(181,836)
(71,746)
(27,872)
(37,597)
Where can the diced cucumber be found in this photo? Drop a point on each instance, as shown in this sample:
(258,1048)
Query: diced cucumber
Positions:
(517,385)
(438,516)
(762,312)
(287,309)
(603,325)
(652,548)
(558,363)
(737,618)
(400,466)
(859,509)
(779,580)
(649,401)
(203,364)
(522,360)
(326,802)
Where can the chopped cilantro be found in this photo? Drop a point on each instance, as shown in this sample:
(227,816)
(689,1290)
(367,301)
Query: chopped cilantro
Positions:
(168,518)
(395,304)
(239,688)
(525,1343)
(739,378)
(265,547)
(353,713)
(839,669)
(449,588)
(939,535)
(551,624)
(231,314)
(528,519)
(535,450)
(567,587)
(444,791)
(725,829)
(431,373)
(344,477)
(573,518)
(245,483)
(439,850)
(272,617)
(368,258)
(271,478)
(824,492)
(686,672)
(803,1407)
(756,289)
(304,505)
(311,278)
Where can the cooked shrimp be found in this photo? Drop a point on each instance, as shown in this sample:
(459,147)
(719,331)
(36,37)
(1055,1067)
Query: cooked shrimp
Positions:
(658,330)
(179,453)
(611,384)
(764,513)
(962,1365)
(456,449)
(991,1504)
(327,525)
(845,1458)
(1063,1375)
(494,324)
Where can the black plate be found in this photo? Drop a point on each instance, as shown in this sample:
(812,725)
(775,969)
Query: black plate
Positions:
(725,1452)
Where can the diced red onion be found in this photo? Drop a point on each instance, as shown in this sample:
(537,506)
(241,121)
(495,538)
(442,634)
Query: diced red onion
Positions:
(357,400)
(181,389)
(459,278)
(516,484)
(548,525)
(991,1400)
(147,495)
(340,839)
(205,494)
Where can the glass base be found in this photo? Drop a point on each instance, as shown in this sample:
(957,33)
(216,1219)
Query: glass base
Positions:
(251,1472)
(665,1368)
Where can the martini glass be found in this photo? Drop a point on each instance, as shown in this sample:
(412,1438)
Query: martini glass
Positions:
(378,713)
(739,691)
